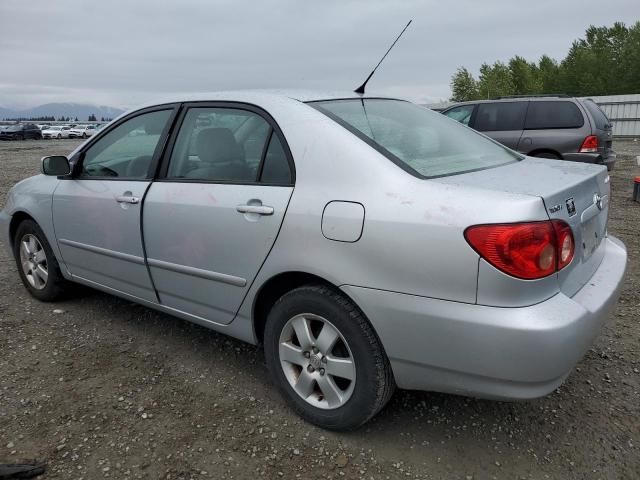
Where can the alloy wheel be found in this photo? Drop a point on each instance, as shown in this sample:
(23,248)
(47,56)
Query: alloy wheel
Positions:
(317,361)
(34,261)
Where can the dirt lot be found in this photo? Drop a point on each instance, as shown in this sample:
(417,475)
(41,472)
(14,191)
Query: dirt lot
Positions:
(99,387)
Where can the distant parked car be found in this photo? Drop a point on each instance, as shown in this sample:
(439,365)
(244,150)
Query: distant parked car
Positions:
(56,131)
(557,127)
(82,131)
(43,126)
(21,131)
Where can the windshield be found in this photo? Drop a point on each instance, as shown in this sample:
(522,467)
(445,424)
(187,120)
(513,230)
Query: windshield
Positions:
(425,143)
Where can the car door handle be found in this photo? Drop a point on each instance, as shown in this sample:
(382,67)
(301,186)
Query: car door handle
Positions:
(259,209)
(127,199)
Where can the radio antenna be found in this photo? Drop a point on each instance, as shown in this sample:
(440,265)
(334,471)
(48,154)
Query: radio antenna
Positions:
(360,89)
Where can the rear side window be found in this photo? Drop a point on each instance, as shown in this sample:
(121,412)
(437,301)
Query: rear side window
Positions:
(493,117)
(602,122)
(224,144)
(543,115)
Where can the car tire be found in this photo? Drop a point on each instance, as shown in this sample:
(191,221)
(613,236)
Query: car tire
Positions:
(84,135)
(59,136)
(31,248)
(547,155)
(330,401)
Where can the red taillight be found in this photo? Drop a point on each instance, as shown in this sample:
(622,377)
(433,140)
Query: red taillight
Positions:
(590,145)
(524,250)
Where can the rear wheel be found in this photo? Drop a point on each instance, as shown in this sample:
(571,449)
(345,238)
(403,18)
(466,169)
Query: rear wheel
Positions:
(37,265)
(326,359)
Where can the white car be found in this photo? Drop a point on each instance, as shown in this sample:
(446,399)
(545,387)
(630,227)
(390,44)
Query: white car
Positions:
(56,131)
(83,131)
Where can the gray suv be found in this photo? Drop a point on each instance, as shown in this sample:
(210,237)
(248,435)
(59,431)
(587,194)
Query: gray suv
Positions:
(559,127)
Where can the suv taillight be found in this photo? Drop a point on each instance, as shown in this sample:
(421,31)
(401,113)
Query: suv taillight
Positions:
(528,250)
(590,145)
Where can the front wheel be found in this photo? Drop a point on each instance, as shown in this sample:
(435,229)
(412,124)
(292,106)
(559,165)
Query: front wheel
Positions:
(37,265)
(84,135)
(326,359)
(59,136)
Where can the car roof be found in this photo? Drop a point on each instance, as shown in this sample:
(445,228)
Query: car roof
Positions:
(256,96)
(518,98)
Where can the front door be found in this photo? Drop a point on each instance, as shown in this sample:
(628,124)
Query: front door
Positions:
(502,121)
(212,219)
(97,212)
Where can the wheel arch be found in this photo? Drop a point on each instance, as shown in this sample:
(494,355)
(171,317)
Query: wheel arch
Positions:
(550,151)
(16,219)
(277,286)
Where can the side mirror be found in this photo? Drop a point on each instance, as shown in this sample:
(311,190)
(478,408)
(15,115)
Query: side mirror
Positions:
(56,165)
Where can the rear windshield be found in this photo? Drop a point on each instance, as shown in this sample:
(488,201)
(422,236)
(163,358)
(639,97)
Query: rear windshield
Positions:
(424,143)
(602,122)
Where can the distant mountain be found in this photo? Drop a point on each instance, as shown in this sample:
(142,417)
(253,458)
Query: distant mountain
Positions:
(72,110)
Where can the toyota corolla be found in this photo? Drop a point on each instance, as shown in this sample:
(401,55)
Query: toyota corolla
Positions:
(364,242)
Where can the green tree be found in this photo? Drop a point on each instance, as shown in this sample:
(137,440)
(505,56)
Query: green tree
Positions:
(495,81)
(605,62)
(463,86)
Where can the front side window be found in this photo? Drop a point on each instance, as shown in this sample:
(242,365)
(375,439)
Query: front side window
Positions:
(493,117)
(417,139)
(544,115)
(220,145)
(127,150)
(462,114)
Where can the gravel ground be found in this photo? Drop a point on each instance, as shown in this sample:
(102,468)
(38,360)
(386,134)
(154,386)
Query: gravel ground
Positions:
(99,387)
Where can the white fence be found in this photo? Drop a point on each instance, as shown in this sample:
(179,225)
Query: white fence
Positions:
(624,113)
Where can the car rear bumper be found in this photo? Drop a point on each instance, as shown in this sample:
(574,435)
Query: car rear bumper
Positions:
(609,161)
(492,352)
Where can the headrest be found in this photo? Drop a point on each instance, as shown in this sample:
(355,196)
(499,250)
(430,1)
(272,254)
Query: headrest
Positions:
(218,145)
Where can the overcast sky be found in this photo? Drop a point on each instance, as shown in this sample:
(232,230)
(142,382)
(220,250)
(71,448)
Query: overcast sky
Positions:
(125,52)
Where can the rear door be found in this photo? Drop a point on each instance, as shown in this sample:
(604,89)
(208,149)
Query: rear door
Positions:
(213,215)
(554,126)
(96,213)
(502,121)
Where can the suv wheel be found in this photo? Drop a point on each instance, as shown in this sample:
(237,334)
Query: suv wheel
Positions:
(326,359)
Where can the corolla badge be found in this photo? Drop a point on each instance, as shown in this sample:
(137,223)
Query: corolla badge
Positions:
(597,200)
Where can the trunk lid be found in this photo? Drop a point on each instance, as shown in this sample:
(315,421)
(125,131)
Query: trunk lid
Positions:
(577,193)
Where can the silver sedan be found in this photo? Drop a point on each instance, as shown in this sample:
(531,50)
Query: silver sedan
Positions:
(365,242)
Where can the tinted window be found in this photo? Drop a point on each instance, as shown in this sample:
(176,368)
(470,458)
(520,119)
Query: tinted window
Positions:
(541,115)
(602,122)
(219,144)
(419,140)
(500,116)
(461,114)
(127,150)
(276,167)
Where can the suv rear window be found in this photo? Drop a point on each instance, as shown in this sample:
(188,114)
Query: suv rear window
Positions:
(602,122)
(422,142)
(493,117)
(543,115)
